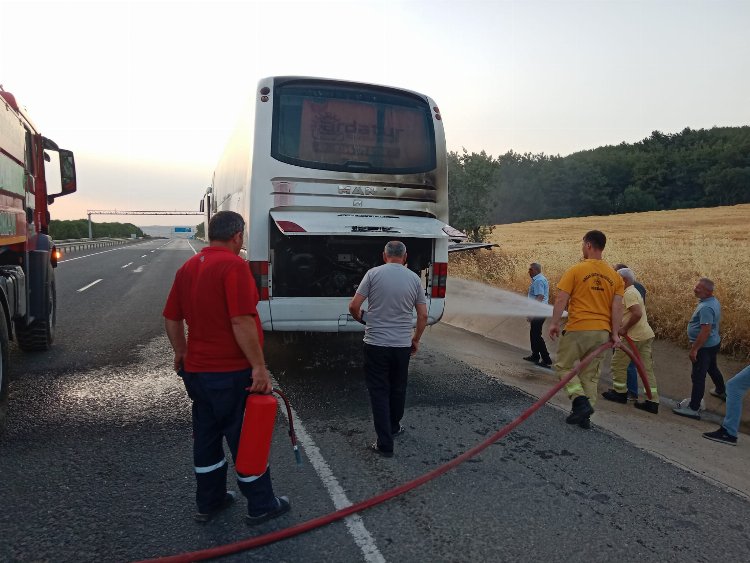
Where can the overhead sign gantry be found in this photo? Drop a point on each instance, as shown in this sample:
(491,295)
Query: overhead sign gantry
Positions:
(91,212)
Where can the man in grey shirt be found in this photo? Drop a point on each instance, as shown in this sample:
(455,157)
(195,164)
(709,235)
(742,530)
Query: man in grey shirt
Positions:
(392,292)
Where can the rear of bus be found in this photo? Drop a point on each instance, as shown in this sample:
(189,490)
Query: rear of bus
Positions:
(338,170)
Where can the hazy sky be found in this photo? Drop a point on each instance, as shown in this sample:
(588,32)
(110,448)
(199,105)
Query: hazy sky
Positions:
(146,93)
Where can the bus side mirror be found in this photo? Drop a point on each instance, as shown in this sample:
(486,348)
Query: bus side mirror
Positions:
(202,208)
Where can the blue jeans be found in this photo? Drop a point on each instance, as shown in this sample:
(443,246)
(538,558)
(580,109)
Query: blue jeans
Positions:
(633,379)
(736,389)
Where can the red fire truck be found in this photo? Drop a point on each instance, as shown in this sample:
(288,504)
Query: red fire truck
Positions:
(27,253)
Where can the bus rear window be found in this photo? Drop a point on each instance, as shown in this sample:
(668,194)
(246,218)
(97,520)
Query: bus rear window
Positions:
(334,127)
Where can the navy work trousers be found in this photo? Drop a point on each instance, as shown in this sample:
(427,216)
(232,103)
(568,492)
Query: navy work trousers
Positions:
(705,363)
(538,345)
(386,374)
(218,409)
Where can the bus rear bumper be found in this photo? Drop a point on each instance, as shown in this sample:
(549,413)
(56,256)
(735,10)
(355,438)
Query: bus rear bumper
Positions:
(323,314)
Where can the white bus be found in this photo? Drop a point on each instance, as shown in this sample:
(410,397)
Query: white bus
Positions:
(325,172)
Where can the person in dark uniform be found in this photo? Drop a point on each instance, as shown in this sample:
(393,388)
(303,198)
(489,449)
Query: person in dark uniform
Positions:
(215,294)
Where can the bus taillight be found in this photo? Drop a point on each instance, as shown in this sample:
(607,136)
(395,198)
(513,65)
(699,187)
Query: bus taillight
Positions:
(289,227)
(439,279)
(260,273)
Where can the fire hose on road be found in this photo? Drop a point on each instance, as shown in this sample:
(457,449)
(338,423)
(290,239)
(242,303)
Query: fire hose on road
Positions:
(303,527)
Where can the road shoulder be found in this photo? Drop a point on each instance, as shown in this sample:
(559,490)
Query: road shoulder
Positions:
(676,440)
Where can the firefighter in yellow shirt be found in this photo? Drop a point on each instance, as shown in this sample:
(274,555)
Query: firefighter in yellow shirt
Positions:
(635,325)
(592,292)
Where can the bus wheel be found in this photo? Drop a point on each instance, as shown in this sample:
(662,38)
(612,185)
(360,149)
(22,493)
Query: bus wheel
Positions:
(40,334)
(3,372)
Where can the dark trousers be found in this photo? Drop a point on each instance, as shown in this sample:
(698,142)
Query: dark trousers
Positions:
(386,374)
(538,346)
(705,363)
(218,409)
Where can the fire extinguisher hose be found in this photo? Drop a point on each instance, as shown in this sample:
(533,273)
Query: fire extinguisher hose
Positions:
(292,435)
(272,537)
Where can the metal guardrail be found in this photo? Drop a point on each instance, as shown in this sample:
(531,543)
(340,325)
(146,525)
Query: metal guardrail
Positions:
(72,245)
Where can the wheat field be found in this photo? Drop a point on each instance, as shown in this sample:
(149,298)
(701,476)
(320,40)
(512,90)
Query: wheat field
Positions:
(667,250)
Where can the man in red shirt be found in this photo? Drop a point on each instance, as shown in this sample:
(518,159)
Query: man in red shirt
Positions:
(215,294)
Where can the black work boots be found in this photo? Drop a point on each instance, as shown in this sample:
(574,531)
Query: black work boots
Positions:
(648,406)
(613,395)
(580,412)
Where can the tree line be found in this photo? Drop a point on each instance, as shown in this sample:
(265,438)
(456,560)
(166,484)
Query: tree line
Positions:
(693,168)
(79,228)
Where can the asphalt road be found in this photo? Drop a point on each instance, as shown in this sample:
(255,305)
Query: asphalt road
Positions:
(96,465)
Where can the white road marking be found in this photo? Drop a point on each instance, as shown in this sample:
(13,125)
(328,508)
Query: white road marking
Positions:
(138,269)
(94,254)
(102,252)
(113,250)
(153,251)
(354,523)
(191,248)
(84,288)
(126,265)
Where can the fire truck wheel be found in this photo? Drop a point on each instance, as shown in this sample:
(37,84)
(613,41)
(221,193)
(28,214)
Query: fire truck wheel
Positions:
(3,372)
(40,334)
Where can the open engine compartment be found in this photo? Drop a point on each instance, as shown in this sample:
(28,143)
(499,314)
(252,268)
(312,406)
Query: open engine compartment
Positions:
(333,266)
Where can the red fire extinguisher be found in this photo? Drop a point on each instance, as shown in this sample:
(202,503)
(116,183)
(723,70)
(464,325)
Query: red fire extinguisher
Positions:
(257,431)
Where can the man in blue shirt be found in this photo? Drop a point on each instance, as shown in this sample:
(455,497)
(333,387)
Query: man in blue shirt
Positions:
(539,291)
(703,333)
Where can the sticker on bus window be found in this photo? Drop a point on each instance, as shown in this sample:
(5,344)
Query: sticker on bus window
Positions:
(341,131)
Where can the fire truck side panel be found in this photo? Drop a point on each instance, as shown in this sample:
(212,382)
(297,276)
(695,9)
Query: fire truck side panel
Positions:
(27,285)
